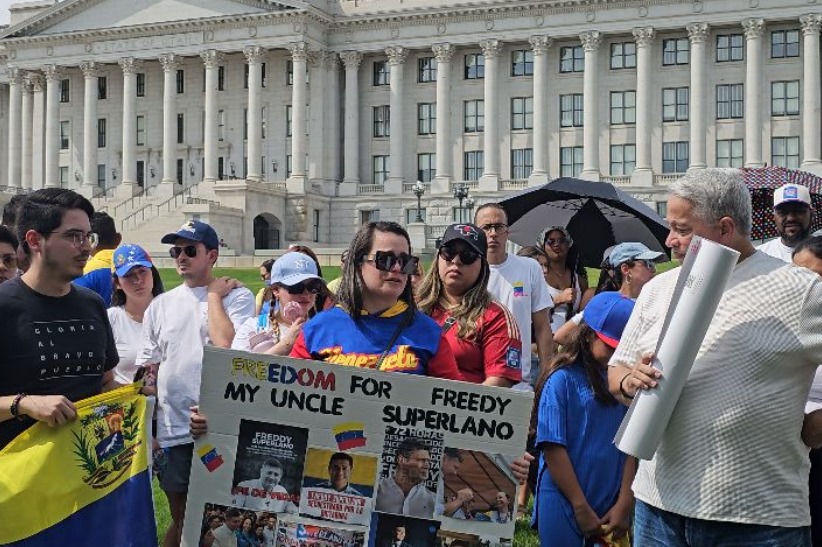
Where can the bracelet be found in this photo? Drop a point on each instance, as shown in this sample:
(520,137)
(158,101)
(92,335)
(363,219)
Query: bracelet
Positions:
(15,407)
(622,388)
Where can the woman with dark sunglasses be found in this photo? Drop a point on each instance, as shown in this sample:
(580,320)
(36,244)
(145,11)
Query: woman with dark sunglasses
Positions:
(375,323)
(566,278)
(299,292)
(483,334)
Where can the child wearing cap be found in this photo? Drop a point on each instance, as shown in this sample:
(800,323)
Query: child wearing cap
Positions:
(584,482)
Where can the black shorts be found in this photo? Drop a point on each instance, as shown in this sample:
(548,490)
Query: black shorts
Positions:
(175,474)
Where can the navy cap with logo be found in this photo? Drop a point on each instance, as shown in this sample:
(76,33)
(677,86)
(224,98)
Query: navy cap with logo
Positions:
(470,234)
(194,230)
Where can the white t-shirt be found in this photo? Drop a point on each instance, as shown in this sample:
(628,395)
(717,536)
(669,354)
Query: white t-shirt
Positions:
(257,336)
(128,336)
(732,450)
(777,249)
(558,317)
(519,285)
(175,329)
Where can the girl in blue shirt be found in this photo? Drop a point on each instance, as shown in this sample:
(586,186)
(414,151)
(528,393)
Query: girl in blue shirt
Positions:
(584,482)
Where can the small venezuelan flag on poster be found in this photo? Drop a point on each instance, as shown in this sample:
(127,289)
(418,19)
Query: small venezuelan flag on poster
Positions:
(349,435)
(209,457)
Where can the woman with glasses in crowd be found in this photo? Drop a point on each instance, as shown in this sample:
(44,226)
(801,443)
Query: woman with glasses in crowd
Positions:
(8,254)
(263,298)
(375,323)
(482,333)
(298,292)
(567,280)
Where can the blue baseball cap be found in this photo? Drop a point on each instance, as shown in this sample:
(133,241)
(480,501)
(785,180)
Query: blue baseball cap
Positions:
(194,230)
(293,268)
(631,251)
(128,256)
(607,314)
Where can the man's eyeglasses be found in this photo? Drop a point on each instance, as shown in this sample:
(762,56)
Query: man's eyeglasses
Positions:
(467,256)
(311,286)
(189,250)
(558,241)
(9,260)
(498,228)
(385,262)
(79,238)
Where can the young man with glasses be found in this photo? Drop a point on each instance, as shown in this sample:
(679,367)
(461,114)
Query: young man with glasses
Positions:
(55,339)
(204,310)
(517,282)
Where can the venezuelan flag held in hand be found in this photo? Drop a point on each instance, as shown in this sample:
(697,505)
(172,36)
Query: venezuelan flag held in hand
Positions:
(86,483)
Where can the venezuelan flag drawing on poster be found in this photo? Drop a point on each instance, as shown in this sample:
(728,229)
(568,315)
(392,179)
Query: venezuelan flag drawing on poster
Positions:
(86,483)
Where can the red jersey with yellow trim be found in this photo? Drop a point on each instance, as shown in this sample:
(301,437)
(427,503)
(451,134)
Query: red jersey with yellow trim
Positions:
(494,351)
(334,337)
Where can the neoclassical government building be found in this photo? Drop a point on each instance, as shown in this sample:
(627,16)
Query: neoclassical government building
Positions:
(298,120)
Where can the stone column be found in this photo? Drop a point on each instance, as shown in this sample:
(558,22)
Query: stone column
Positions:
(591,41)
(810,93)
(316,127)
(169,62)
(26,133)
(130,66)
(445,169)
(397,56)
(643,174)
(90,73)
(540,45)
(351,161)
(254,55)
(38,83)
(299,57)
(698,33)
(490,173)
(212,60)
(52,140)
(15,125)
(754,29)
(332,115)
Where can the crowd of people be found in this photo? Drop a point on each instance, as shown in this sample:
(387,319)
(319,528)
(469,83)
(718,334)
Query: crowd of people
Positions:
(733,465)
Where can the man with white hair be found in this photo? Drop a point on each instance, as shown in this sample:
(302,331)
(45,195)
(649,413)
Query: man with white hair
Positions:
(731,467)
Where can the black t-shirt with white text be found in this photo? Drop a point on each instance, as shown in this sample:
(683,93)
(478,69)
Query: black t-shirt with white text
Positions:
(51,346)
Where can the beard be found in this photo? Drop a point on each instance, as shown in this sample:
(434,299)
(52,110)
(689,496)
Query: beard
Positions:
(60,267)
(803,234)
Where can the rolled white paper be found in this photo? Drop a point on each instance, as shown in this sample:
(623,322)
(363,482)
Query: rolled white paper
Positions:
(705,273)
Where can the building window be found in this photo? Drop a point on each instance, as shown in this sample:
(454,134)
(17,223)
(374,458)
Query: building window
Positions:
(64,135)
(180,171)
(262,124)
(180,128)
(474,116)
(570,110)
(623,107)
(522,113)
(65,90)
(141,84)
(729,102)
(570,161)
(623,55)
(63,177)
(289,73)
(785,152)
(141,130)
(675,104)
(522,163)
(411,215)
(245,124)
(102,88)
(262,75)
(571,59)
(220,78)
(729,153)
(675,157)
(426,167)
(785,98)
(784,43)
(221,125)
(522,62)
(426,69)
(101,133)
(729,47)
(380,166)
(289,166)
(369,216)
(473,165)
(101,176)
(220,168)
(381,73)
(474,66)
(245,76)
(316,225)
(426,118)
(623,159)
(289,120)
(675,51)
(461,214)
(181,81)
(662,208)
(382,121)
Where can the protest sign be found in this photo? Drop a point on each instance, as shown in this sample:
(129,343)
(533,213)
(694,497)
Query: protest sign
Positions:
(343,454)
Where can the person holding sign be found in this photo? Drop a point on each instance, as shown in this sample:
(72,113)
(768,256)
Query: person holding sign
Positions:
(482,333)
(376,324)
(584,482)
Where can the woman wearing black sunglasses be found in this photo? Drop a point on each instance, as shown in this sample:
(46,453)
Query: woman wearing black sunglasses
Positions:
(482,333)
(376,323)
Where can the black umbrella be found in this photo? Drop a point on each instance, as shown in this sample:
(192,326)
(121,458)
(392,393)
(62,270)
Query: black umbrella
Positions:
(596,214)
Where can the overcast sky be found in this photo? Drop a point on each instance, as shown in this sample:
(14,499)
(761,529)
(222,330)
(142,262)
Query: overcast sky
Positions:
(4,11)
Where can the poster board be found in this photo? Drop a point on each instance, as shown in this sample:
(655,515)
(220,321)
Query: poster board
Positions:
(342,456)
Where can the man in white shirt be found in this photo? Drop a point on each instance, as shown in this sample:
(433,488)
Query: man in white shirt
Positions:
(518,283)
(793,216)
(731,467)
(270,532)
(265,493)
(404,492)
(226,535)
(204,310)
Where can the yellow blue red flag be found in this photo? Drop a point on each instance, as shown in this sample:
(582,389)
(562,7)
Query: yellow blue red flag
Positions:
(84,483)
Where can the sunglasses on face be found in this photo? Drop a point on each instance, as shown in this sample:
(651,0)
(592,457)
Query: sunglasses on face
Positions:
(311,286)
(9,260)
(648,264)
(467,256)
(385,262)
(558,241)
(189,250)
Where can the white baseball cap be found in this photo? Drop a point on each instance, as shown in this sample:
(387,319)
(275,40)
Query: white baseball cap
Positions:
(792,193)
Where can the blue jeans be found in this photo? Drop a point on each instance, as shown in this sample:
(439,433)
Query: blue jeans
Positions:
(657,528)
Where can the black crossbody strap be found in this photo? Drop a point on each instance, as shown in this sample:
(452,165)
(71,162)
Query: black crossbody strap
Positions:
(404,322)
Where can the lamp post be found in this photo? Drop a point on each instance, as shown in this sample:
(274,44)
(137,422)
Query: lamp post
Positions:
(460,193)
(419,190)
